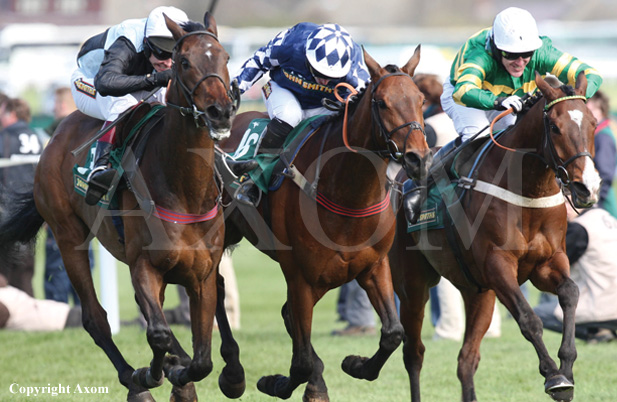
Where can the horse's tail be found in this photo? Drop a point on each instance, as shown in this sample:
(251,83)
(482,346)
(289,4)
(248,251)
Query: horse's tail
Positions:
(20,223)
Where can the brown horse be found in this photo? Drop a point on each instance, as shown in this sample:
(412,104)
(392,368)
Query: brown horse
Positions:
(344,230)
(505,239)
(180,241)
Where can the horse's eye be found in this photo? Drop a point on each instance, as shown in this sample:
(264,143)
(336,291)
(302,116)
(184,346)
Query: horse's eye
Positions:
(554,129)
(381,104)
(185,63)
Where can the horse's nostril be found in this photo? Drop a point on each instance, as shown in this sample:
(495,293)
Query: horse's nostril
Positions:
(214,112)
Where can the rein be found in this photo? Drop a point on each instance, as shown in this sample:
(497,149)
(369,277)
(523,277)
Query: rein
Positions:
(555,162)
(233,93)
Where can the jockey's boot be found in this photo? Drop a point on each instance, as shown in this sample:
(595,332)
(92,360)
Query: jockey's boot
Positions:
(271,141)
(101,176)
(248,193)
(229,168)
(415,196)
(274,136)
(412,202)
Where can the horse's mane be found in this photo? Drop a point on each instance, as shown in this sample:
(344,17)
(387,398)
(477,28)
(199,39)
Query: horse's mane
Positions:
(192,26)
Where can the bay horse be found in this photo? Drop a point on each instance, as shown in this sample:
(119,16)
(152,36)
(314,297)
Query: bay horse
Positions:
(506,236)
(346,230)
(180,241)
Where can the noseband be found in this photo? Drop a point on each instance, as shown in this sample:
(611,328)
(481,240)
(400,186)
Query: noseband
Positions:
(555,162)
(200,117)
(392,150)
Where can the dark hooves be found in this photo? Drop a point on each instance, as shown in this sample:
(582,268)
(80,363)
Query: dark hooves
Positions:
(143,396)
(186,393)
(559,388)
(230,390)
(144,378)
(354,365)
(315,397)
(272,384)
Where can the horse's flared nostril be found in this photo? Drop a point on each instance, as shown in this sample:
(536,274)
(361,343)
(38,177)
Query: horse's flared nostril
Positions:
(581,196)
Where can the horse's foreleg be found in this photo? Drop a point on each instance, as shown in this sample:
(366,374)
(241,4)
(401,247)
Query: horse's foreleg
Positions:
(509,293)
(412,317)
(232,380)
(300,302)
(203,304)
(148,285)
(378,285)
(478,311)
(316,389)
(94,317)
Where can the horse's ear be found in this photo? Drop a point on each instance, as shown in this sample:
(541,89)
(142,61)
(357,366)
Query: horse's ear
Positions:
(174,28)
(373,67)
(210,23)
(547,90)
(413,62)
(581,84)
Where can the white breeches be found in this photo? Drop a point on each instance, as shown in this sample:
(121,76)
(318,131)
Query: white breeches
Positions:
(468,121)
(90,102)
(282,104)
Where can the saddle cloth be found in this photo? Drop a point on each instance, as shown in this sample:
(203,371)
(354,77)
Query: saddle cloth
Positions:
(269,164)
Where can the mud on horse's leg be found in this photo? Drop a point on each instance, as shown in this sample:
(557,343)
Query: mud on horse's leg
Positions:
(300,302)
(379,289)
(316,389)
(148,287)
(202,297)
(232,380)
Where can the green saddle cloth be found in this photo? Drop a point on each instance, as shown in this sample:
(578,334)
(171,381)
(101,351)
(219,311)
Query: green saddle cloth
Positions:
(262,174)
(81,173)
(431,215)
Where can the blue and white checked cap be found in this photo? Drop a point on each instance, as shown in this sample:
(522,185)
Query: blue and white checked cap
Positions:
(328,50)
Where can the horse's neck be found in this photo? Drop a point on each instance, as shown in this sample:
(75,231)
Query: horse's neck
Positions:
(359,176)
(525,175)
(186,159)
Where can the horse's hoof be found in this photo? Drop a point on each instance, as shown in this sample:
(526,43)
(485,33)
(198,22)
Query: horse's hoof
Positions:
(144,396)
(315,397)
(559,388)
(272,384)
(143,377)
(231,391)
(183,394)
(354,365)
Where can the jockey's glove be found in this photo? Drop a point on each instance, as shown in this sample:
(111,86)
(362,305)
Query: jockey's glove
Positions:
(160,79)
(514,102)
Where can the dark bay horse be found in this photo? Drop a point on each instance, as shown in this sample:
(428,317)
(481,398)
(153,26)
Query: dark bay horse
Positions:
(345,230)
(505,238)
(180,241)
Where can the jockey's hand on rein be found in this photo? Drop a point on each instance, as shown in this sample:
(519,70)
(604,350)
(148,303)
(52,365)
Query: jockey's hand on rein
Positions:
(160,79)
(514,102)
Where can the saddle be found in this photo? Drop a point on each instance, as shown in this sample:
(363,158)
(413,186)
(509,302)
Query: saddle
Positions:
(132,134)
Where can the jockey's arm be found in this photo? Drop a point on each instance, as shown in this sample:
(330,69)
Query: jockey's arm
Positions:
(114,77)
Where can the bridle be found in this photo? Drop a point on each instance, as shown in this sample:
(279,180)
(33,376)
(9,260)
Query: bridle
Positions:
(200,117)
(393,149)
(554,162)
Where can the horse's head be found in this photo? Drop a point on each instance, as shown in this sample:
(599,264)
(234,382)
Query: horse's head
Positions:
(569,139)
(397,109)
(202,78)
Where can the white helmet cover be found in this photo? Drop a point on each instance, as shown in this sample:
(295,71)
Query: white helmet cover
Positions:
(515,31)
(328,50)
(157,31)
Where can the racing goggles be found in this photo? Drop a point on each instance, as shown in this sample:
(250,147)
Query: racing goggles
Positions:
(515,56)
(317,74)
(151,48)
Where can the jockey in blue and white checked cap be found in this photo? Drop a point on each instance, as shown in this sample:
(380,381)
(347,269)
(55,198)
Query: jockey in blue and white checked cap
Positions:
(305,63)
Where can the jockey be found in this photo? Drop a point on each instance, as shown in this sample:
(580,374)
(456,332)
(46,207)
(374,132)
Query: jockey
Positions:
(491,72)
(118,68)
(305,63)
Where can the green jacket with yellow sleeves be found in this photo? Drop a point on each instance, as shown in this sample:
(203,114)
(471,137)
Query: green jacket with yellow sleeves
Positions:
(479,78)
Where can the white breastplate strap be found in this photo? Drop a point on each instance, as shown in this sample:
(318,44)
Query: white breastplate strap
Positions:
(518,200)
